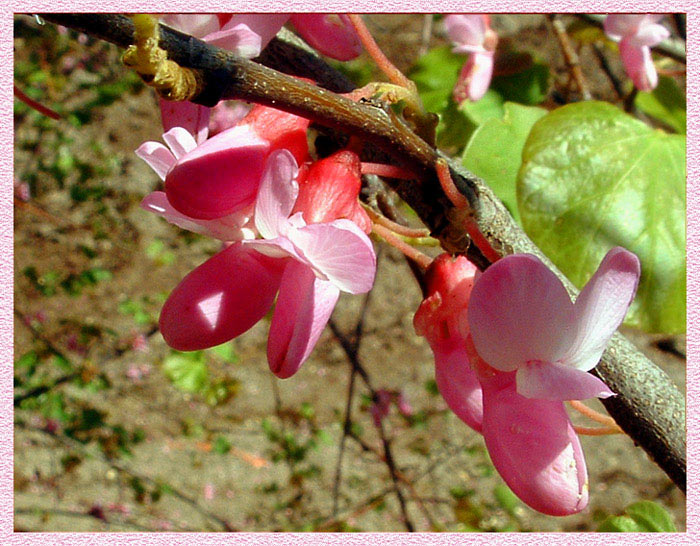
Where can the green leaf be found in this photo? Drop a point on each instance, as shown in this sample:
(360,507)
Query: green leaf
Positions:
(506,498)
(528,85)
(594,177)
(494,151)
(490,106)
(154,249)
(187,371)
(651,517)
(619,524)
(454,129)
(28,360)
(640,517)
(62,363)
(665,103)
(435,75)
(221,445)
(225,352)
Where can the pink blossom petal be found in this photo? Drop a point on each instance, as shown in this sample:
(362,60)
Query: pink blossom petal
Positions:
(535,449)
(639,65)
(158,157)
(196,24)
(304,305)
(457,382)
(332,35)
(340,252)
(265,25)
(220,299)
(279,247)
(226,114)
(618,25)
(559,382)
(650,35)
(180,141)
(601,306)
(193,117)
(466,30)
(220,176)
(277,194)
(239,39)
(227,228)
(475,77)
(519,311)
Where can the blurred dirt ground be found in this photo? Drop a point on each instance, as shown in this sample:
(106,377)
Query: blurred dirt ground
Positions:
(115,446)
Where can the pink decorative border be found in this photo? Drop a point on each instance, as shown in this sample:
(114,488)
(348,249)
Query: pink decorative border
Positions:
(444,6)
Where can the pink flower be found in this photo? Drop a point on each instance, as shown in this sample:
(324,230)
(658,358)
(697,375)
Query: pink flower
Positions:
(220,177)
(380,407)
(326,257)
(442,319)
(307,264)
(332,35)
(472,34)
(636,34)
(226,114)
(521,319)
(523,347)
(226,167)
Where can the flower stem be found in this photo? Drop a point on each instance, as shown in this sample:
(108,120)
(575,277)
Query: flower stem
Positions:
(386,66)
(389,171)
(421,259)
(592,414)
(598,431)
(393,226)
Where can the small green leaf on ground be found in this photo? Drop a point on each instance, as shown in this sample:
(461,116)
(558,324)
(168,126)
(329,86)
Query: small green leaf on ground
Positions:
(187,371)
(640,517)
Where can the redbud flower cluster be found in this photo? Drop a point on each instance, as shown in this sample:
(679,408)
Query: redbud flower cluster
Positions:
(510,347)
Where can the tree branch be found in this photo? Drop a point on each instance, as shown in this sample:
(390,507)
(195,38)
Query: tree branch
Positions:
(649,408)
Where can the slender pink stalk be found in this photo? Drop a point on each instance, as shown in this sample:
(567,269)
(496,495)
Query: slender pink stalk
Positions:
(35,105)
(389,171)
(396,228)
(393,73)
(597,431)
(594,415)
(459,201)
(417,256)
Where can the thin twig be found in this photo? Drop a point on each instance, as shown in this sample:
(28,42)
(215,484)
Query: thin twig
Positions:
(77,514)
(351,353)
(607,70)
(401,476)
(347,427)
(347,421)
(426,33)
(570,55)
(26,99)
(394,74)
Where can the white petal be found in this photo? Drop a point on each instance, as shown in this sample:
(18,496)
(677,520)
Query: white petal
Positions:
(158,157)
(180,141)
(277,194)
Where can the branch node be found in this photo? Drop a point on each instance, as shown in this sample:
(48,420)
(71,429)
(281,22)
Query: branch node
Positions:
(150,61)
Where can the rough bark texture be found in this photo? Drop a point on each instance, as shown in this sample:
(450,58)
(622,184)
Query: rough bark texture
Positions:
(648,407)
